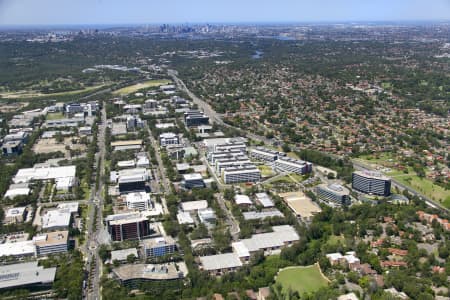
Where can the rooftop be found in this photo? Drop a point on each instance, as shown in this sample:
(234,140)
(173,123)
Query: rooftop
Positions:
(123,254)
(25,274)
(151,272)
(194,205)
(56,218)
(51,238)
(28,174)
(220,261)
(372,174)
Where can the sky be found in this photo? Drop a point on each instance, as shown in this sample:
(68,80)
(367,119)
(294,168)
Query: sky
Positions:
(72,12)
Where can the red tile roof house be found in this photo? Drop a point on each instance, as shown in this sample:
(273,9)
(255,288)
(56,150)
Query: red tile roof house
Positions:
(398,252)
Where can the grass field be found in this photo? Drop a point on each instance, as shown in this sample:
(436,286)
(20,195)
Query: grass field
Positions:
(266,171)
(143,85)
(301,279)
(424,186)
(32,94)
(54,116)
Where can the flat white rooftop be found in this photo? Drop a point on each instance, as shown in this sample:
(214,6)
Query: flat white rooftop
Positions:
(72,207)
(194,205)
(17,248)
(220,261)
(25,274)
(56,218)
(28,174)
(193,176)
(242,200)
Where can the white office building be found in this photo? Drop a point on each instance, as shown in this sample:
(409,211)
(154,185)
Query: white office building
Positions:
(286,164)
(138,201)
(238,174)
(168,138)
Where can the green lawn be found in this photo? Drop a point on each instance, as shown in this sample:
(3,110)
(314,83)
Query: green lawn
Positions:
(424,186)
(54,116)
(143,85)
(32,94)
(301,279)
(266,171)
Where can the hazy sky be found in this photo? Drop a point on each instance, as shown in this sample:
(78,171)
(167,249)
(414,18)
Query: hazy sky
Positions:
(48,12)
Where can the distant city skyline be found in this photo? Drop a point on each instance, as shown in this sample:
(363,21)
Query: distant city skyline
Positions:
(79,12)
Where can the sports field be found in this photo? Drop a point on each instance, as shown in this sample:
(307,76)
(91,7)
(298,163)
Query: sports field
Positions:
(301,279)
(139,86)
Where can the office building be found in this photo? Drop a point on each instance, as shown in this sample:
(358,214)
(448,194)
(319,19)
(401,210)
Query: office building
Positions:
(270,242)
(195,118)
(238,174)
(333,193)
(138,201)
(206,215)
(18,249)
(128,226)
(130,180)
(56,219)
(168,138)
(194,180)
(51,243)
(45,173)
(15,215)
(10,148)
(159,246)
(286,164)
(264,154)
(132,276)
(191,206)
(373,183)
(134,122)
(220,263)
(26,275)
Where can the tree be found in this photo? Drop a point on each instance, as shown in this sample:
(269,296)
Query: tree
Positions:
(131,258)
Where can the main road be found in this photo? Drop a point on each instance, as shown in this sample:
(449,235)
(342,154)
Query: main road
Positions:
(216,118)
(95,222)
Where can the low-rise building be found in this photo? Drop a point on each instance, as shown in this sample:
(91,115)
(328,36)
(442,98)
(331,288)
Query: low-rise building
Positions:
(264,200)
(132,275)
(51,243)
(15,215)
(193,180)
(221,263)
(56,219)
(242,200)
(168,138)
(159,246)
(26,275)
(191,206)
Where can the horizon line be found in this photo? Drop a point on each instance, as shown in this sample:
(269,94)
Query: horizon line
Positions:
(380,22)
